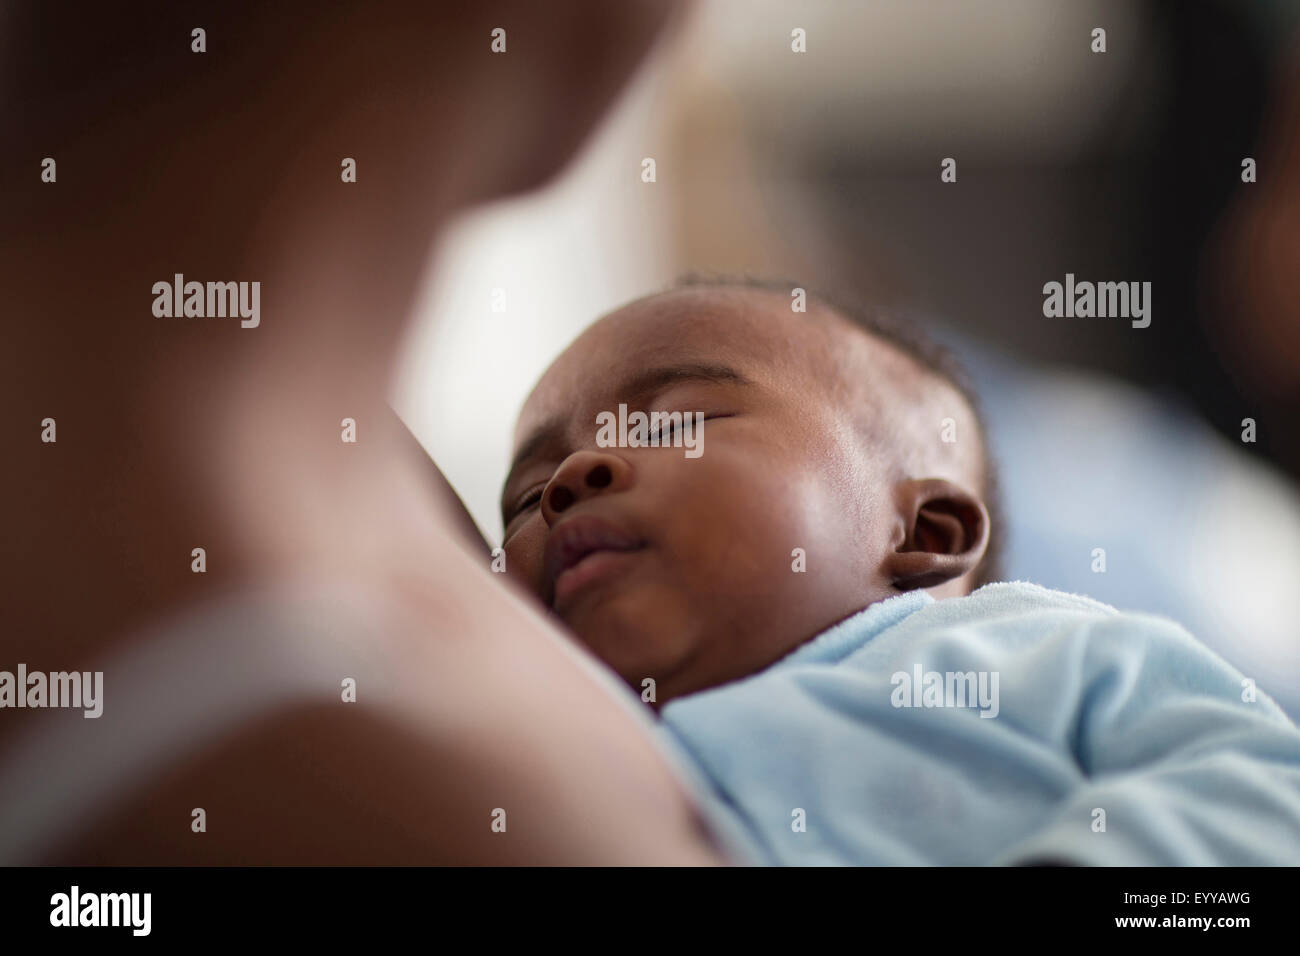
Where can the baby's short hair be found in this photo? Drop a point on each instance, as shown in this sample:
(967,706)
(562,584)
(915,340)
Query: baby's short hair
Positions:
(906,334)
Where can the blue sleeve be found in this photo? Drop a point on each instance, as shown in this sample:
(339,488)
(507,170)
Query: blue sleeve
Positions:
(1180,768)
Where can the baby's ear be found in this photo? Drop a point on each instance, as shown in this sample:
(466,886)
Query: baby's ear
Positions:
(941,534)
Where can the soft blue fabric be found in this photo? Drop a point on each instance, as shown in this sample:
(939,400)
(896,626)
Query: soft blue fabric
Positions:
(1096,710)
(1182,514)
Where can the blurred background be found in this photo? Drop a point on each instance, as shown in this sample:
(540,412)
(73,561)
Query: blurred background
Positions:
(824,168)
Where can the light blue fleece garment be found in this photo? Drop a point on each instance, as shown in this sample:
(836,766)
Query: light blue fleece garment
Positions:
(1095,710)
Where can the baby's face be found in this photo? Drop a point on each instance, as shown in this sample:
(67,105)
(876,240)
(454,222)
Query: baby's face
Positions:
(698,570)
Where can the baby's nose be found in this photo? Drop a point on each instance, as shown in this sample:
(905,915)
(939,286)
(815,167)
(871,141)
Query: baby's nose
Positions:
(583,475)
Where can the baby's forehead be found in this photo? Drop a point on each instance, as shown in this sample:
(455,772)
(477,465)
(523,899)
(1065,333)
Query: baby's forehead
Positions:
(753,332)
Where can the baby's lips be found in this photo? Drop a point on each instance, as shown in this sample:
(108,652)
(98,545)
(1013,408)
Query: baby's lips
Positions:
(573,539)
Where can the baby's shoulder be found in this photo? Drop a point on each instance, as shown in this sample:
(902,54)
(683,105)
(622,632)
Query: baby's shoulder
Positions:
(1035,635)
(1019,618)
(1015,610)
(1014,598)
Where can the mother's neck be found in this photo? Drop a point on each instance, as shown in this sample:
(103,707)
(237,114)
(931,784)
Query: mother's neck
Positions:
(179,432)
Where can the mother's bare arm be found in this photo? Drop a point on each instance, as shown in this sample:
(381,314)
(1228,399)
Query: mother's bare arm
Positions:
(457,515)
(487,708)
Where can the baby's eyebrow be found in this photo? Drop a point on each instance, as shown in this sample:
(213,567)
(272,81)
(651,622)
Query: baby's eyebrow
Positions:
(652,380)
(639,387)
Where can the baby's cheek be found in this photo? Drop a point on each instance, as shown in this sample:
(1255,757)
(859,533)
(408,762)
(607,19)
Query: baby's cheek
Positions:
(523,555)
(819,523)
(756,532)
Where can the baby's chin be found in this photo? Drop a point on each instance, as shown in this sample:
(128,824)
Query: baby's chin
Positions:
(639,634)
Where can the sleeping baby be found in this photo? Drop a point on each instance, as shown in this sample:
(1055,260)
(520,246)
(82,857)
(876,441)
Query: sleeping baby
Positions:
(806,603)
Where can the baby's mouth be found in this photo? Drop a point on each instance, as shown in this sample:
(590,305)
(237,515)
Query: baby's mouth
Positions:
(580,552)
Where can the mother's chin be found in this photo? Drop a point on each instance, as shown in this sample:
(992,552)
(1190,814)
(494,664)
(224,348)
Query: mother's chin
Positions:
(562,68)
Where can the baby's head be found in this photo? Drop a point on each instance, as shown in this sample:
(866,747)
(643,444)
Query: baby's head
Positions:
(840,463)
